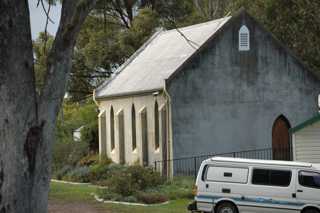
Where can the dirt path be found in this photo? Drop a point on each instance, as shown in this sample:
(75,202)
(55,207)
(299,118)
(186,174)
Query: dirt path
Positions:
(72,207)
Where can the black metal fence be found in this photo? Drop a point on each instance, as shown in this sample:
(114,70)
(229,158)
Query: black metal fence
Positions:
(188,166)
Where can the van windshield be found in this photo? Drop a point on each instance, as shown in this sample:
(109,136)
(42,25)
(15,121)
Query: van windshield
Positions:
(309,179)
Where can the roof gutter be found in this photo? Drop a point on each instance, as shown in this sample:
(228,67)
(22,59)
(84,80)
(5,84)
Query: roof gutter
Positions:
(169,126)
(94,97)
(127,94)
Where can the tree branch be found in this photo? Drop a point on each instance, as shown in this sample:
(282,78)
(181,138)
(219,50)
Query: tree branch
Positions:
(73,15)
(117,7)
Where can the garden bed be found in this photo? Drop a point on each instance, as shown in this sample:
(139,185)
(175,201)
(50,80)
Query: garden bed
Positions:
(130,184)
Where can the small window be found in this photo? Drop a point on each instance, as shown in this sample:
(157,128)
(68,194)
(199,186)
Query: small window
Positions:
(228,174)
(309,179)
(271,177)
(244,39)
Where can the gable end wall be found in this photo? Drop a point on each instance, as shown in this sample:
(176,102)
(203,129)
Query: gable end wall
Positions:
(225,100)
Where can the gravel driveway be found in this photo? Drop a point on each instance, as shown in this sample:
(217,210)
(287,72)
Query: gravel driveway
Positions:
(72,207)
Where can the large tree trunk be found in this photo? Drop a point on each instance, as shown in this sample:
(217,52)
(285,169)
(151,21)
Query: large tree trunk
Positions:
(27,121)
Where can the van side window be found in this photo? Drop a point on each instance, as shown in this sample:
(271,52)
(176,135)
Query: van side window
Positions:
(229,175)
(271,177)
(309,179)
(204,172)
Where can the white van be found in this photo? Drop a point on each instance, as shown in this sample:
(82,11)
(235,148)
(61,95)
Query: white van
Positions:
(231,185)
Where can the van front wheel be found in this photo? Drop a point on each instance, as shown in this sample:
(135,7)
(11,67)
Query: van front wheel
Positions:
(311,210)
(226,208)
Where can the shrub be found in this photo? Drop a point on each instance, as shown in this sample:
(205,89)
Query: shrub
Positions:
(94,159)
(106,194)
(99,172)
(180,187)
(129,180)
(130,199)
(121,183)
(150,198)
(90,135)
(89,160)
(144,177)
(62,172)
(66,151)
(79,174)
(139,184)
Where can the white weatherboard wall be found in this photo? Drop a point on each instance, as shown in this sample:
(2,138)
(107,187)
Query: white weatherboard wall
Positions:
(124,105)
(306,144)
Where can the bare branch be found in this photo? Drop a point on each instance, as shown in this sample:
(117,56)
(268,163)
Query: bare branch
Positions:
(46,29)
(45,10)
(192,44)
(120,12)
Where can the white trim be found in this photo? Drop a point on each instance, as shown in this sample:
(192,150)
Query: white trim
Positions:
(97,198)
(294,147)
(101,113)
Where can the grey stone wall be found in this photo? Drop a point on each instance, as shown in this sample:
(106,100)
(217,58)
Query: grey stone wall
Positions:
(225,100)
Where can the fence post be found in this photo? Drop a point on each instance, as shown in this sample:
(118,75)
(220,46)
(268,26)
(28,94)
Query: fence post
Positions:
(195,167)
(155,165)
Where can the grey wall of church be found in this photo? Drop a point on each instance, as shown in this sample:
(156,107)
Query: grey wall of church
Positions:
(225,100)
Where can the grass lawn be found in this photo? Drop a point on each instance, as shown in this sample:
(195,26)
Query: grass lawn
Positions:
(81,193)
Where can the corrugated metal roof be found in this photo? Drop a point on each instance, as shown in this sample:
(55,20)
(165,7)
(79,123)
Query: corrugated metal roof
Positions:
(306,123)
(158,59)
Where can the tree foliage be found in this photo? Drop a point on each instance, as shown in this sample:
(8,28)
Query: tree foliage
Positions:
(101,49)
(41,47)
(67,151)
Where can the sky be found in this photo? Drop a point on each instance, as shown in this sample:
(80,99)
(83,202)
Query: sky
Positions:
(38,18)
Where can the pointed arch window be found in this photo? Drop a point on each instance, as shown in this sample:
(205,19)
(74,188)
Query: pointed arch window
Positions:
(156,126)
(112,128)
(144,136)
(133,127)
(244,38)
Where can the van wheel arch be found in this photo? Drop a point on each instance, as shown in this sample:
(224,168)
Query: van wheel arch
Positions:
(224,202)
(310,209)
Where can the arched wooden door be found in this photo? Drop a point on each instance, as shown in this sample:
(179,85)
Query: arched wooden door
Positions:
(281,139)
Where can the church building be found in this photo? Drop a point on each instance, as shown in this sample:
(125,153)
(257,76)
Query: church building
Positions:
(222,86)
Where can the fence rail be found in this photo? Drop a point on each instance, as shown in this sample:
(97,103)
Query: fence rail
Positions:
(188,166)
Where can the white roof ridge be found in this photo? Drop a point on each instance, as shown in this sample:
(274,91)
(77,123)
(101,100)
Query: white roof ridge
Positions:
(130,59)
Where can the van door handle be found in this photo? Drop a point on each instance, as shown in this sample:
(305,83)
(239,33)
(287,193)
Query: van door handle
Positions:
(299,190)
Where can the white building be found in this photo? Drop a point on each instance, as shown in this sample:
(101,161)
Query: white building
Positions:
(306,140)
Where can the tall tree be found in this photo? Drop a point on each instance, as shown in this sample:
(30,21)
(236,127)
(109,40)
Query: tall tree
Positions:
(27,119)
(100,49)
